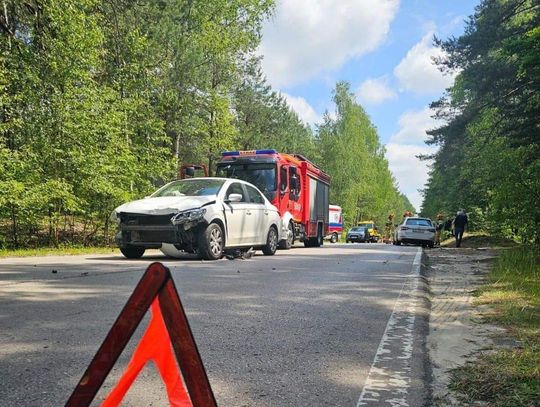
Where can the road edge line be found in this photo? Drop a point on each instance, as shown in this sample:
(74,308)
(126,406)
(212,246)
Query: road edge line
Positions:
(417,389)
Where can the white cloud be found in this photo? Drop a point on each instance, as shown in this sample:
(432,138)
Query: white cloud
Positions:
(303,109)
(413,126)
(403,147)
(417,72)
(410,173)
(308,37)
(375,91)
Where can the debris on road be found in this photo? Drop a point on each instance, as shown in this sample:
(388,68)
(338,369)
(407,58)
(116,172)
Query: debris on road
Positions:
(240,254)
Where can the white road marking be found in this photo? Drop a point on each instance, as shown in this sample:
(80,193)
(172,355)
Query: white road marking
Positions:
(389,378)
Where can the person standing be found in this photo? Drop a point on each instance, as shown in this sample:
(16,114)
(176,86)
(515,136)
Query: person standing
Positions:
(459,224)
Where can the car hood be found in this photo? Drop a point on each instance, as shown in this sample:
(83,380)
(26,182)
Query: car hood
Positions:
(165,204)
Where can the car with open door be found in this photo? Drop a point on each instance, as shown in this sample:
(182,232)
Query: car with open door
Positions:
(198,215)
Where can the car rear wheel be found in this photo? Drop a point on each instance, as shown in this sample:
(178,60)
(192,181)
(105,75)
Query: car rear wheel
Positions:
(132,252)
(271,242)
(333,238)
(211,242)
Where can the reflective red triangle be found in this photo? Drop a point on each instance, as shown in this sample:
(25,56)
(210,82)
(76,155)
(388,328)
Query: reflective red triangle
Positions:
(168,326)
(155,346)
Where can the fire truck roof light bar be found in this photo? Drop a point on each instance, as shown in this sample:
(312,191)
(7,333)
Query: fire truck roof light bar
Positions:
(250,152)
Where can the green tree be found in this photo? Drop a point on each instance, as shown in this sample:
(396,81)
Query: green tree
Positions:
(489,155)
(354,157)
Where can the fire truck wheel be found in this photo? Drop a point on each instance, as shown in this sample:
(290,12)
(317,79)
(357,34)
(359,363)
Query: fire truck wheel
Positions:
(314,241)
(320,239)
(286,244)
(333,238)
(211,242)
(132,252)
(271,242)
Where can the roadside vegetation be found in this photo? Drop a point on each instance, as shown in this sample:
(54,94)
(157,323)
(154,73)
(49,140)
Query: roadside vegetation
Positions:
(102,100)
(488,160)
(477,240)
(57,251)
(508,377)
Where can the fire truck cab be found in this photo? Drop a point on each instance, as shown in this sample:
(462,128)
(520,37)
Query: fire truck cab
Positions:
(298,188)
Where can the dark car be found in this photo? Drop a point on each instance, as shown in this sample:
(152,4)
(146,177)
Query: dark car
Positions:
(358,234)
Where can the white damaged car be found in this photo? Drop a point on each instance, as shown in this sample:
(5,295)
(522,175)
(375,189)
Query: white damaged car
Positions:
(198,215)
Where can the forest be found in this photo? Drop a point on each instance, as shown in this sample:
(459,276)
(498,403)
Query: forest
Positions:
(488,161)
(102,100)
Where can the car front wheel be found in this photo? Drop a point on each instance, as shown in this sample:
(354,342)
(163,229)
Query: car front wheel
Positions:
(132,252)
(211,242)
(287,243)
(271,242)
(333,238)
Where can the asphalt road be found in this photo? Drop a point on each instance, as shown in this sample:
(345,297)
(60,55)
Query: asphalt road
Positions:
(306,327)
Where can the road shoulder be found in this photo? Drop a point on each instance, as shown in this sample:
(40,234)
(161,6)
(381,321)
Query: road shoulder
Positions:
(456,331)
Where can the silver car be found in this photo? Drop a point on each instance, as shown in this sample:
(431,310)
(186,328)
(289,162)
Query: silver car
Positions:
(358,234)
(198,215)
(414,230)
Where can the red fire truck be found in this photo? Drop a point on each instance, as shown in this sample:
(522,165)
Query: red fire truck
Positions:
(296,186)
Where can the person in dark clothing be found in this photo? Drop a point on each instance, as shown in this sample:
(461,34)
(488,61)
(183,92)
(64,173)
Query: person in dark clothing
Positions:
(460,222)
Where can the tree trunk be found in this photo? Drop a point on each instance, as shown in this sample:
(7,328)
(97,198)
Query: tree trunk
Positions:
(14,226)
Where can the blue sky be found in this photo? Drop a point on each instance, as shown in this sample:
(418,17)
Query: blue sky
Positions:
(384,49)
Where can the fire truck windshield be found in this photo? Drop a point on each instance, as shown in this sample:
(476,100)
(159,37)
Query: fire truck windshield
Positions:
(263,176)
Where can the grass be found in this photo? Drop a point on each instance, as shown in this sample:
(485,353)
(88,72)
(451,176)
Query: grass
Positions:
(477,239)
(55,251)
(508,377)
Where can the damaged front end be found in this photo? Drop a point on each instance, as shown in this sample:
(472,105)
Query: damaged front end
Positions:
(150,231)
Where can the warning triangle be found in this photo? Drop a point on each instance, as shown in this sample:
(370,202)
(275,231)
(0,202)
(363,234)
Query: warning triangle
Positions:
(168,326)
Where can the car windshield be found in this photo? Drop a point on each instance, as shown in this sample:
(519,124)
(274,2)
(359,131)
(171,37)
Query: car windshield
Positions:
(263,176)
(368,225)
(190,187)
(358,229)
(419,222)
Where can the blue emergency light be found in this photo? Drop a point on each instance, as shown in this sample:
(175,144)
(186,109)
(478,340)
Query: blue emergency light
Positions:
(250,152)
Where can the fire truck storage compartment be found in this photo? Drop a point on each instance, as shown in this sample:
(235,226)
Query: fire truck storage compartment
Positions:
(318,204)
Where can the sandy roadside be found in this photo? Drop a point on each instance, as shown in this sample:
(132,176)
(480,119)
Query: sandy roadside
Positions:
(456,332)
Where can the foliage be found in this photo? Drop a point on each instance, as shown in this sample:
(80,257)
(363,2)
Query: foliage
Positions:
(102,100)
(489,156)
(352,154)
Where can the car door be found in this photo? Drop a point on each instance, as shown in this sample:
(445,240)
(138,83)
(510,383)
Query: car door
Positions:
(259,214)
(237,217)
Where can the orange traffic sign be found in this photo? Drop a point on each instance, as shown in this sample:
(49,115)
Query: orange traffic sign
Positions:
(167,341)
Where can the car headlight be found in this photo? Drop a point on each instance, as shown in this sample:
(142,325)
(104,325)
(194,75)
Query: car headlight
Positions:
(114,217)
(191,215)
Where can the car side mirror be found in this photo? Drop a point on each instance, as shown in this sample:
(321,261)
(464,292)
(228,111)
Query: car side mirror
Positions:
(234,198)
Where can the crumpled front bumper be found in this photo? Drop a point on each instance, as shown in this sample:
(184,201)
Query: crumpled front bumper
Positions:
(150,231)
